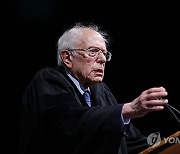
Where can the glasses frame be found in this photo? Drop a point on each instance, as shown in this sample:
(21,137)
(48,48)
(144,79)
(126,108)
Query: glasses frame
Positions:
(93,53)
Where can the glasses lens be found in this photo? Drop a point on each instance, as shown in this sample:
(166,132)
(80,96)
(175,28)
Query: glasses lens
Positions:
(93,51)
(108,56)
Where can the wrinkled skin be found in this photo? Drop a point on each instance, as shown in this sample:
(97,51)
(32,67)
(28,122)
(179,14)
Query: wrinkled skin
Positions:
(88,70)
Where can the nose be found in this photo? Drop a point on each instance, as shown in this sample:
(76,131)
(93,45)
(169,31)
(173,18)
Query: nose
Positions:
(101,57)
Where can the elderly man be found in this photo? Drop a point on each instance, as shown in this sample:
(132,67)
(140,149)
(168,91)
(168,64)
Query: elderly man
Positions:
(70,110)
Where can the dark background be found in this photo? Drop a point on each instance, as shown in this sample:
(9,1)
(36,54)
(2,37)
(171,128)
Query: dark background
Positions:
(144,43)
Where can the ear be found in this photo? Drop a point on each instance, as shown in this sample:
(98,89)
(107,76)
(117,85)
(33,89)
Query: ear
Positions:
(66,58)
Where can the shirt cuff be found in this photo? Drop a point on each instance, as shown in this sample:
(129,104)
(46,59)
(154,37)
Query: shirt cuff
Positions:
(125,121)
(120,124)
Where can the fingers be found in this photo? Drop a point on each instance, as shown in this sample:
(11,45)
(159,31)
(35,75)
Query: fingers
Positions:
(156,89)
(155,93)
(156,105)
(152,98)
(155,108)
(157,102)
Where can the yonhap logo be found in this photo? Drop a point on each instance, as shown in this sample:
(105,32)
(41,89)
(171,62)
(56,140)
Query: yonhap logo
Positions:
(154,139)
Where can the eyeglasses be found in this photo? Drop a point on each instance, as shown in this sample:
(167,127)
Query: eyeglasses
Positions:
(93,52)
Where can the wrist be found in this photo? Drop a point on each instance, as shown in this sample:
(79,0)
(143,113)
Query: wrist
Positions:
(127,111)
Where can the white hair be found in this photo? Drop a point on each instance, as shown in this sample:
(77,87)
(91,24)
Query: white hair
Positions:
(73,36)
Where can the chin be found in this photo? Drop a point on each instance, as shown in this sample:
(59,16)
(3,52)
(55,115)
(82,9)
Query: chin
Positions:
(98,79)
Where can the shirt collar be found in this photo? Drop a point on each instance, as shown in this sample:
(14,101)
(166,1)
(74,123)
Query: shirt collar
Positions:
(76,82)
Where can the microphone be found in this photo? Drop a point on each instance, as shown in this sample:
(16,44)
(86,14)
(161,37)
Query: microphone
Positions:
(171,108)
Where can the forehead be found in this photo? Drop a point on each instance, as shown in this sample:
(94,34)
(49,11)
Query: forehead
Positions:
(92,38)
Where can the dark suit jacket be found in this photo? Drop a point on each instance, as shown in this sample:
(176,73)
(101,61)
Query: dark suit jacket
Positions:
(56,120)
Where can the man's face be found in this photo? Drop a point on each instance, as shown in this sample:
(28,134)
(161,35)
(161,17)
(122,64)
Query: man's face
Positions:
(87,69)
